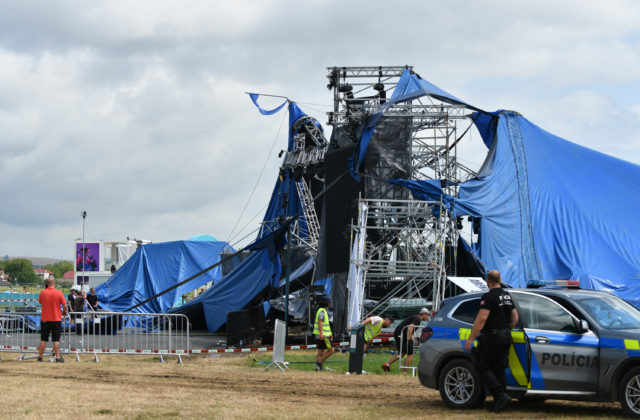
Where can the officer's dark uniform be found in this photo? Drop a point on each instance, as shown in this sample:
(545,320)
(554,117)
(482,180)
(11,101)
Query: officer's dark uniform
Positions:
(492,355)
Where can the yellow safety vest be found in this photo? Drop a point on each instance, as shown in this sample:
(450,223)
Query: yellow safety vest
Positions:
(371,330)
(326,328)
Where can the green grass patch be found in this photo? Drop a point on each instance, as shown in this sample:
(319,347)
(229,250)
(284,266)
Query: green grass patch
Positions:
(339,362)
(104,411)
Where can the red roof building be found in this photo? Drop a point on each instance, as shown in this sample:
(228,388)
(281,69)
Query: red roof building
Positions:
(43,273)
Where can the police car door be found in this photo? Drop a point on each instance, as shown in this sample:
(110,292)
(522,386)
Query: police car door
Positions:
(563,361)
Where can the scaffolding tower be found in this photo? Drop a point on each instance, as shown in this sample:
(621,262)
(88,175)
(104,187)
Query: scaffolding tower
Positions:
(402,261)
(309,147)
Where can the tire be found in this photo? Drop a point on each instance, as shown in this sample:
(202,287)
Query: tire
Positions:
(629,392)
(460,386)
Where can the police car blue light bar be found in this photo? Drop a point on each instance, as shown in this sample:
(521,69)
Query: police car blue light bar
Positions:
(570,284)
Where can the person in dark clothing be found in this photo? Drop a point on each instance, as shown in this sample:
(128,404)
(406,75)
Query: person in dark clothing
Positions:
(71,303)
(404,344)
(78,304)
(92,300)
(496,317)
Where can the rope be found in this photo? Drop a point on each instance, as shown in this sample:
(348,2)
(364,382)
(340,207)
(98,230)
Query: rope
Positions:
(244,237)
(245,226)
(259,177)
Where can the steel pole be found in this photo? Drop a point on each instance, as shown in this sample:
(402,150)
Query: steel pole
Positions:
(286,288)
(84,216)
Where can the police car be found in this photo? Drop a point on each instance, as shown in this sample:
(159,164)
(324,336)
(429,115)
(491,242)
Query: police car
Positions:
(569,344)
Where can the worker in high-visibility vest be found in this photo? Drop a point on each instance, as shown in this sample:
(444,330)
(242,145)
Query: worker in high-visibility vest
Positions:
(372,327)
(322,331)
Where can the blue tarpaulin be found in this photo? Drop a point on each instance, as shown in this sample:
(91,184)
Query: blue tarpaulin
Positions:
(327,283)
(551,209)
(284,200)
(284,203)
(259,270)
(410,86)
(154,268)
(254,97)
(303,269)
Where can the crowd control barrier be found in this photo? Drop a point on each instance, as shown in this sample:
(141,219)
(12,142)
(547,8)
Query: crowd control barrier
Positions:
(406,344)
(11,332)
(279,341)
(97,333)
(129,333)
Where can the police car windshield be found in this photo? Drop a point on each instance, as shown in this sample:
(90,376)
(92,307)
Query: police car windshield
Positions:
(611,312)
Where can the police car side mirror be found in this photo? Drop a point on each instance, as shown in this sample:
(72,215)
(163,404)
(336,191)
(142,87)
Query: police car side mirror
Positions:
(583,326)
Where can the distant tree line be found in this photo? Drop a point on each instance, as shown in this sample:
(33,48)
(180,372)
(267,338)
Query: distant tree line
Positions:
(21,271)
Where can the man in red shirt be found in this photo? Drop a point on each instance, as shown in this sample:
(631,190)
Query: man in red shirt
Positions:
(51,300)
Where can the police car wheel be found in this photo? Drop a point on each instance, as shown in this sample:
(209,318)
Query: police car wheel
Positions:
(460,385)
(630,392)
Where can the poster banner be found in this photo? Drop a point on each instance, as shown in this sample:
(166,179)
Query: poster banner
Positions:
(87,255)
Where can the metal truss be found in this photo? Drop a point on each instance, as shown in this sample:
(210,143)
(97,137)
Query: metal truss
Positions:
(437,127)
(311,229)
(404,248)
(309,146)
(366,71)
(406,240)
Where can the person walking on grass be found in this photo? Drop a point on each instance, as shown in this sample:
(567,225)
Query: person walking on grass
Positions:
(404,338)
(322,331)
(51,300)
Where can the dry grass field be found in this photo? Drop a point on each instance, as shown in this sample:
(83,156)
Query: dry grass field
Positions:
(229,387)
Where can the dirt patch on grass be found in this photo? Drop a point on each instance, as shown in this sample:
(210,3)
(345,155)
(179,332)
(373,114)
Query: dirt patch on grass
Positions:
(226,387)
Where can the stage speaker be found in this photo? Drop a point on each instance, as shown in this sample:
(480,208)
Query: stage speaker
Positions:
(340,206)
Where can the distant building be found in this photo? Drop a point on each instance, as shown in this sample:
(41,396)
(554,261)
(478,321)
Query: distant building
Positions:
(44,274)
(4,279)
(68,276)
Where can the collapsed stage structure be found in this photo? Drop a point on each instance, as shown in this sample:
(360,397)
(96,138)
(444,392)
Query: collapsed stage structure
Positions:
(373,213)
(539,206)
(380,250)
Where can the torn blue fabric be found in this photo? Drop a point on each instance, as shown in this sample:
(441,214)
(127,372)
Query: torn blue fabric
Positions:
(410,86)
(284,202)
(254,97)
(235,291)
(552,210)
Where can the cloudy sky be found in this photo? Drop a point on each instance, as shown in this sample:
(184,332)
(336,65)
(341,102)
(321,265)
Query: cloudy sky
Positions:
(136,112)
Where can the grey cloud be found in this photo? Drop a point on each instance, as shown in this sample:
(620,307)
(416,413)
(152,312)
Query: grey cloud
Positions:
(135,112)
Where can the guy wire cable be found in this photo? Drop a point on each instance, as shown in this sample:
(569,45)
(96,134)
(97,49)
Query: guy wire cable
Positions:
(259,177)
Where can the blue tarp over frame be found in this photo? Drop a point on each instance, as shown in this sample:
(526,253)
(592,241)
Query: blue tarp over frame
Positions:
(238,288)
(551,209)
(284,200)
(410,86)
(154,268)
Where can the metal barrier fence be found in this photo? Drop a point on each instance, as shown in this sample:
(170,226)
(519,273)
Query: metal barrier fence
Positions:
(11,332)
(101,333)
(409,347)
(279,341)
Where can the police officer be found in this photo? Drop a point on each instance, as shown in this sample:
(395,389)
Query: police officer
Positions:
(496,317)
(322,331)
